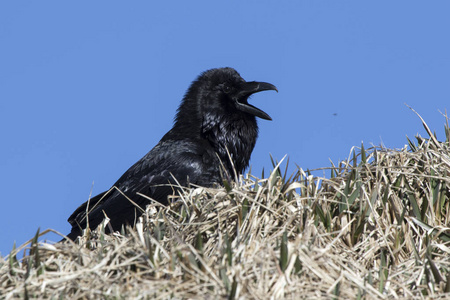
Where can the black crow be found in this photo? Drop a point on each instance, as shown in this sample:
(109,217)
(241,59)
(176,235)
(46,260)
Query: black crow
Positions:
(214,131)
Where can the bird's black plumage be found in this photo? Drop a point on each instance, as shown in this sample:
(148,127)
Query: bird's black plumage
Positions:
(213,119)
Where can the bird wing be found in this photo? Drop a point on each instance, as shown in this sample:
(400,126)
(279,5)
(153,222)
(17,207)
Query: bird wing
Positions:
(186,161)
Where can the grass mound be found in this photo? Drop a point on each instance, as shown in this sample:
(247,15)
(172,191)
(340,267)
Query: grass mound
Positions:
(377,228)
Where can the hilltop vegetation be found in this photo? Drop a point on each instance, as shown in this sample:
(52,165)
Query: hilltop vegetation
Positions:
(378,227)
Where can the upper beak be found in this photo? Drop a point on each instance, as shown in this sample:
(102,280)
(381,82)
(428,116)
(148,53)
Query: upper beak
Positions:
(249,88)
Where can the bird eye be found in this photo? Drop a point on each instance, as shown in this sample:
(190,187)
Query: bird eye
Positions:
(226,89)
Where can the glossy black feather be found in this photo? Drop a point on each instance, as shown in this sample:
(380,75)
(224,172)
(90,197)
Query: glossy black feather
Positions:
(213,117)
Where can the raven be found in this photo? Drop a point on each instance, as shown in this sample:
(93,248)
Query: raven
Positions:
(214,133)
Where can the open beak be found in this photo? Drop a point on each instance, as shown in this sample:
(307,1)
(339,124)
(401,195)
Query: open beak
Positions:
(249,88)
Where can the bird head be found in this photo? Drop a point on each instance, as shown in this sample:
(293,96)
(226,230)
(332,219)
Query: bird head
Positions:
(229,92)
(222,92)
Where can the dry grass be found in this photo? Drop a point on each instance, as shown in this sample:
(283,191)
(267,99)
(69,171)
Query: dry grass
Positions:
(378,228)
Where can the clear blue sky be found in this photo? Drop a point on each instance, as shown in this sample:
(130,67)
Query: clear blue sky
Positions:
(88,87)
